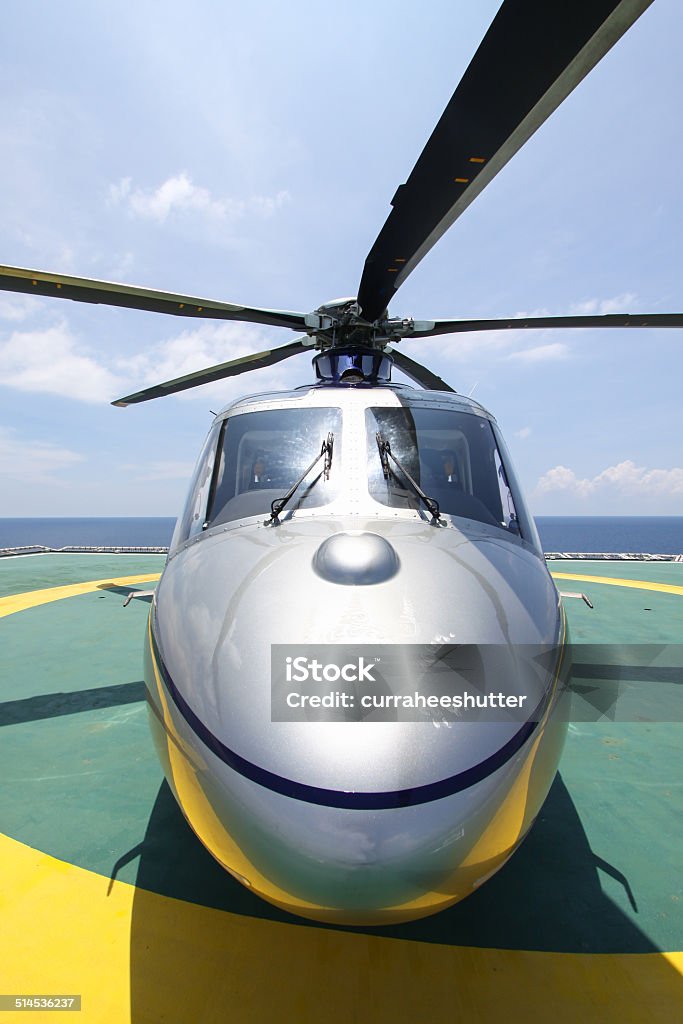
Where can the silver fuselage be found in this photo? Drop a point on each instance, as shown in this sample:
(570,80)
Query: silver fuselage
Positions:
(350,821)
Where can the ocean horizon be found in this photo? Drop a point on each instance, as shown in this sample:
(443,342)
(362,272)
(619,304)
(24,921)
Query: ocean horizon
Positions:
(656,535)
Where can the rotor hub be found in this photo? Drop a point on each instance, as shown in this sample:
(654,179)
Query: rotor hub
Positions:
(339,324)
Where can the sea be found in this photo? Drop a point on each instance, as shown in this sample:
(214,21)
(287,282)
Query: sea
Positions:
(656,535)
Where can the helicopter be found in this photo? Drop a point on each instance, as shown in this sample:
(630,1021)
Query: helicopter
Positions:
(356,657)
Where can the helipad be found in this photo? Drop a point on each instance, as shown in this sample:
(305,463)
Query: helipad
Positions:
(106,893)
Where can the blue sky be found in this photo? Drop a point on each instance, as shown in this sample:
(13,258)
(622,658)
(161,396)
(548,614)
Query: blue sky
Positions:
(249,153)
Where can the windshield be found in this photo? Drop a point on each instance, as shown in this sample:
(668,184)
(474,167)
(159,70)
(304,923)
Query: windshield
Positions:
(452,455)
(262,454)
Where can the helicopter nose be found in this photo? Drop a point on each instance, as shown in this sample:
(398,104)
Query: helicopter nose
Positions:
(356,558)
(348,820)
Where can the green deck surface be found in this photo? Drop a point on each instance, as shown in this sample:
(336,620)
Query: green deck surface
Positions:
(79,779)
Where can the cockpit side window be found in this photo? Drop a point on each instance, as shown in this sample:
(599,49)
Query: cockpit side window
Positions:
(509,520)
(262,454)
(192,519)
(452,455)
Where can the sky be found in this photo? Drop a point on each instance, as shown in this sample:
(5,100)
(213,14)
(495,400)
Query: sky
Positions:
(249,153)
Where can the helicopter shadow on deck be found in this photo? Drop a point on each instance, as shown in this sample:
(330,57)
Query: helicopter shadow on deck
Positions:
(125,592)
(547,898)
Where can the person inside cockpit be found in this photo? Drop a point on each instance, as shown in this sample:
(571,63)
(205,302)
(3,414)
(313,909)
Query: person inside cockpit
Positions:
(259,472)
(450,469)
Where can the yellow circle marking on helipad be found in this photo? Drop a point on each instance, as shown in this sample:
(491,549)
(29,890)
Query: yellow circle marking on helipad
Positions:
(124,946)
(33,598)
(140,956)
(20,602)
(665,588)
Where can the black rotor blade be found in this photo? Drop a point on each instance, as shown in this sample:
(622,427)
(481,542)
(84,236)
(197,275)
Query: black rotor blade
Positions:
(419,373)
(533,55)
(84,289)
(537,322)
(230,369)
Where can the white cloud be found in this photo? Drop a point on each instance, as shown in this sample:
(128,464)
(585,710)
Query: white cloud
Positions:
(178,193)
(33,461)
(625,478)
(542,353)
(561,478)
(617,304)
(17,307)
(206,346)
(50,361)
(560,350)
(506,344)
(523,433)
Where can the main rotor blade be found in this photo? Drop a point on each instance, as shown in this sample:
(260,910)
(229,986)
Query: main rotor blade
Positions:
(537,322)
(419,373)
(85,289)
(532,56)
(230,369)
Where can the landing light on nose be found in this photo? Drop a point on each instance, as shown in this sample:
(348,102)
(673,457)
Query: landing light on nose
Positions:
(356,559)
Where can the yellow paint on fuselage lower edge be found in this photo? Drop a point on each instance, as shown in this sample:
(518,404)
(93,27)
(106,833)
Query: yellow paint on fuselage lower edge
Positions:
(528,787)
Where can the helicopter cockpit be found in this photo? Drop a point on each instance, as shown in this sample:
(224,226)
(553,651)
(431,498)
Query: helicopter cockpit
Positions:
(255,454)
(452,455)
(251,459)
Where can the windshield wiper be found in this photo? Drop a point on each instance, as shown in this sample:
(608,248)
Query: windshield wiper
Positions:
(385,453)
(278,504)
